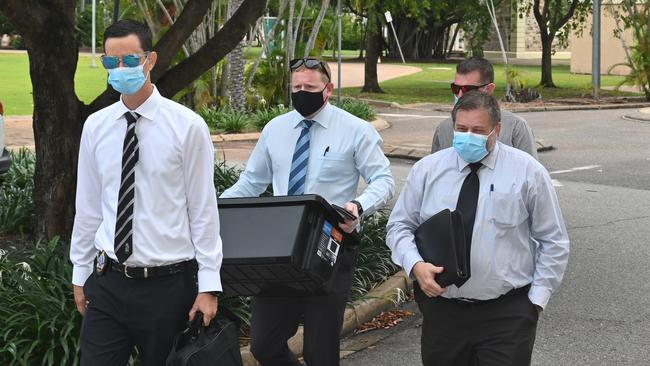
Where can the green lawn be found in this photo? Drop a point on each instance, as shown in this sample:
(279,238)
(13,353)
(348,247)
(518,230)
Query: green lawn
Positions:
(432,84)
(429,85)
(16,87)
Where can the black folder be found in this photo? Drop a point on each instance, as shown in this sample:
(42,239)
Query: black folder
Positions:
(441,241)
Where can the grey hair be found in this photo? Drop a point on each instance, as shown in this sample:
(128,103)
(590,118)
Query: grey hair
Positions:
(474,100)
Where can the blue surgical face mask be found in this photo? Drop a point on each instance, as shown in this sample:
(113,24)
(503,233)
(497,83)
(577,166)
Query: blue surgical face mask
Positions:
(127,80)
(471,147)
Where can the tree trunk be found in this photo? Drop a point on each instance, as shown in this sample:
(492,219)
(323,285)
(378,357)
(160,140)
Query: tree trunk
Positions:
(288,50)
(236,65)
(362,43)
(547,66)
(58,113)
(314,32)
(266,42)
(296,28)
(58,120)
(373,50)
(453,41)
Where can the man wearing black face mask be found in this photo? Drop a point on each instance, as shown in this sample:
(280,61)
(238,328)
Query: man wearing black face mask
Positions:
(316,149)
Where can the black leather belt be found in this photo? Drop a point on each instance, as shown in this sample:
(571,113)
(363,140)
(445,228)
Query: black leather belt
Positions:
(465,301)
(151,272)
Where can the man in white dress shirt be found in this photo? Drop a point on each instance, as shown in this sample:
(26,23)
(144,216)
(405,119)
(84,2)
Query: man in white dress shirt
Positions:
(146,214)
(519,244)
(315,149)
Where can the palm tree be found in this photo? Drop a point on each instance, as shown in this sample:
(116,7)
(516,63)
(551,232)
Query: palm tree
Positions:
(236,64)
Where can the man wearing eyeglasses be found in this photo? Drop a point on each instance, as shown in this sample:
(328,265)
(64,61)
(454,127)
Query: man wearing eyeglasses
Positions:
(315,149)
(145,246)
(478,74)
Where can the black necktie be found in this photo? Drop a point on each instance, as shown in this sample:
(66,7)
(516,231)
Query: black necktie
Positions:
(466,205)
(123,244)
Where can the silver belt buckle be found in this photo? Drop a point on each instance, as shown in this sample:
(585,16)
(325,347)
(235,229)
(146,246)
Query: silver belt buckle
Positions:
(126,271)
(466,300)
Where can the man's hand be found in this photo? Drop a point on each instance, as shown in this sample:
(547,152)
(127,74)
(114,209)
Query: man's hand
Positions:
(80,299)
(425,274)
(207,304)
(349,225)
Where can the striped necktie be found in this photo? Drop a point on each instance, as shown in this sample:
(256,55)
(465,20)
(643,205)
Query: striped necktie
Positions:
(300,159)
(124,225)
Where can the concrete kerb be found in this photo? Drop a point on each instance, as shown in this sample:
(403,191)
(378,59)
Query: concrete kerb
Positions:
(642,115)
(517,109)
(379,299)
(379,124)
(407,153)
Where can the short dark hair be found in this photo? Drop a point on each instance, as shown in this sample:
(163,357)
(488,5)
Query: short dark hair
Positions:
(483,66)
(474,100)
(126,27)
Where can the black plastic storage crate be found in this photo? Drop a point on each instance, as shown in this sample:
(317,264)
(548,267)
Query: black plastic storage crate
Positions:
(280,246)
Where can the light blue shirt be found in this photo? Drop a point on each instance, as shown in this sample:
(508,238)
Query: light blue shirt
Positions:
(342,149)
(519,236)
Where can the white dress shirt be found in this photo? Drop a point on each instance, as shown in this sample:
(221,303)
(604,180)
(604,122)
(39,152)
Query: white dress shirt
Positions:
(175,212)
(342,147)
(519,236)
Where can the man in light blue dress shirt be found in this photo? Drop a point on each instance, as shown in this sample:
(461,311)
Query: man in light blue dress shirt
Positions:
(340,149)
(519,243)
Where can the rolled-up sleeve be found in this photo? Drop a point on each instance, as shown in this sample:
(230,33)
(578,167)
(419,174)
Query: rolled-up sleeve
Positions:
(403,222)
(198,170)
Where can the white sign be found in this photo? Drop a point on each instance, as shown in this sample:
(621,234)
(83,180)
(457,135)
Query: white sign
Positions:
(389,18)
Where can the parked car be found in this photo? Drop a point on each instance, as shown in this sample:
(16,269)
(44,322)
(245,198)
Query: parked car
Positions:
(5,158)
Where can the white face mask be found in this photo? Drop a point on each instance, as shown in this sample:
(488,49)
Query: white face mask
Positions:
(472,147)
(127,80)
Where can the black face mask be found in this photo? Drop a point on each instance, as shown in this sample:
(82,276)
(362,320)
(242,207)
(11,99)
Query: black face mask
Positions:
(306,103)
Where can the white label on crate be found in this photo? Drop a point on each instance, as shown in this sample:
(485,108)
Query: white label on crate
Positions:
(329,244)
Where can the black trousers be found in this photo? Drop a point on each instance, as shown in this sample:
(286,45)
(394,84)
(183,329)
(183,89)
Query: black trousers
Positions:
(275,319)
(500,332)
(124,313)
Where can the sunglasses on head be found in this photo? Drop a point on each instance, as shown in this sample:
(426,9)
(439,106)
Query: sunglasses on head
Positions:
(310,63)
(111,62)
(465,88)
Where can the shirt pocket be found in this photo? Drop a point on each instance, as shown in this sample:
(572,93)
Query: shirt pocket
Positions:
(507,209)
(332,166)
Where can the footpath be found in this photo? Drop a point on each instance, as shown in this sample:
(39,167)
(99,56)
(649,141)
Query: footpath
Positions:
(399,140)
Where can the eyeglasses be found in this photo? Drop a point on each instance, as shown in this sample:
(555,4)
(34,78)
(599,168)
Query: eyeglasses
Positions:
(111,62)
(310,63)
(465,88)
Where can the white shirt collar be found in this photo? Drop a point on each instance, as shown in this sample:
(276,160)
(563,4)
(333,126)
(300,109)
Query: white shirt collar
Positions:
(148,109)
(322,118)
(489,161)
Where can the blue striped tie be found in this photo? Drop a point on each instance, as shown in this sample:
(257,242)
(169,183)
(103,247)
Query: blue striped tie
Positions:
(300,160)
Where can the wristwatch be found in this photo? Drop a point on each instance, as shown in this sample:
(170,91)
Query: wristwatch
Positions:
(359,208)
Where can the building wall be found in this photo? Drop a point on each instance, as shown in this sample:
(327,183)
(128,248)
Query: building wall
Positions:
(612,51)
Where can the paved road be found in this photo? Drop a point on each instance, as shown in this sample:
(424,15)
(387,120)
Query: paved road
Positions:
(601,314)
